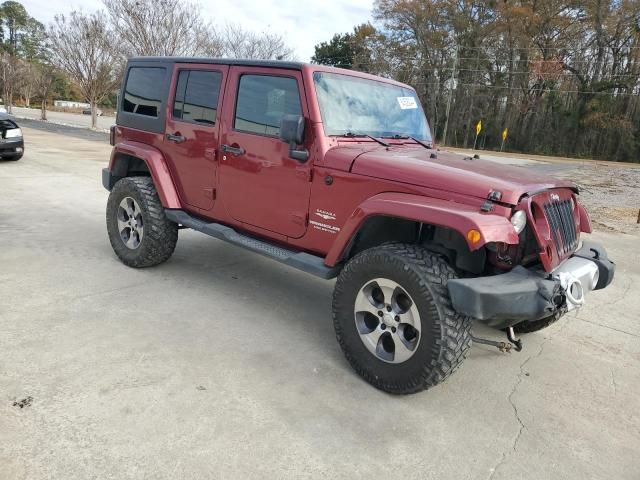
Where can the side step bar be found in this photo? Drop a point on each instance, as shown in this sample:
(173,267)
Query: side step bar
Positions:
(300,260)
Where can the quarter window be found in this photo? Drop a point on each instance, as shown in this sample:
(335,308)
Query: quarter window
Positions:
(262,102)
(143,90)
(196,98)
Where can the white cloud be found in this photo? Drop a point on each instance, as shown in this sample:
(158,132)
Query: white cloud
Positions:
(302,24)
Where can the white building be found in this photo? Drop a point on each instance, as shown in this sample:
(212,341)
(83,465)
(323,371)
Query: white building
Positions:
(70,104)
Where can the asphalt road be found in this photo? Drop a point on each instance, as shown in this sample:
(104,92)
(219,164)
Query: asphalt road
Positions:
(223,364)
(71,119)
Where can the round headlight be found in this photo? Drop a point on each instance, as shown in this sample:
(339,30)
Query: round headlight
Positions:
(519,220)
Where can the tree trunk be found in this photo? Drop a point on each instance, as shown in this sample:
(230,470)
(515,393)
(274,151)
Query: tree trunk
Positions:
(94,115)
(43,110)
(8,101)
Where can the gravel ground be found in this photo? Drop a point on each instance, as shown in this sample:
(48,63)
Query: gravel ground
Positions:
(611,195)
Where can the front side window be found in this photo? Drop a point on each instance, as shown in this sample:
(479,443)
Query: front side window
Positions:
(262,102)
(196,98)
(143,90)
(358,106)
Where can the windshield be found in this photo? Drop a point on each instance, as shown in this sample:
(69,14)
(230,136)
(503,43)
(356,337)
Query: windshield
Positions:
(357,106)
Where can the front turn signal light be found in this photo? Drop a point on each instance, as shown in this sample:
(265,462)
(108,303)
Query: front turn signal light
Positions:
(473,236)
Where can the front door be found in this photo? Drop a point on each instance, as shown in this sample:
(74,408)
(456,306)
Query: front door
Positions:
(260,184)
(192,130)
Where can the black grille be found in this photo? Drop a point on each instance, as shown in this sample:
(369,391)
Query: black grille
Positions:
(563,226)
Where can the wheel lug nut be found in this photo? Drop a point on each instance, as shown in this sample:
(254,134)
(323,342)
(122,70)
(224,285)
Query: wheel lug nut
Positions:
(388,308)
(397,318)
(393,329)
(380,313)
(383,326)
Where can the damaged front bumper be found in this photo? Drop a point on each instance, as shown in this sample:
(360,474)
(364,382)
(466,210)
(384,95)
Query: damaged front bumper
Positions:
(504,300)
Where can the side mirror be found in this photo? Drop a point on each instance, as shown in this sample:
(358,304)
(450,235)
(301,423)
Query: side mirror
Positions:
(292,132)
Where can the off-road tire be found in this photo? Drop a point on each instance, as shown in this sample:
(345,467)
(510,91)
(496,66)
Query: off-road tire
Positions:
(536,325)
(160,234)
(445,337)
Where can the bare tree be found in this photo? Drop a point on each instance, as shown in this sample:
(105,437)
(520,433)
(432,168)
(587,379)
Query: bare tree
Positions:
(159,27)
(81,46)
(28,84)
(44,78)
(10,77)
(170,28)
(238,42)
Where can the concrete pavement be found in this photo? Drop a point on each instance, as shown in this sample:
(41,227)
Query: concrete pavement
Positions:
(223,364)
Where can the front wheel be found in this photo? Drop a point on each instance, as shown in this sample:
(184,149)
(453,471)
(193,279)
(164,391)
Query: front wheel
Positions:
(394,320)
(139,231)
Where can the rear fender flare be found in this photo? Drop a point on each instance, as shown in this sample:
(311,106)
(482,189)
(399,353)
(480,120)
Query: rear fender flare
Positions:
(157,166)
(433,211)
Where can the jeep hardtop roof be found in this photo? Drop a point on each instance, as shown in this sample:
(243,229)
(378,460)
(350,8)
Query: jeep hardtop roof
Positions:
(222,61)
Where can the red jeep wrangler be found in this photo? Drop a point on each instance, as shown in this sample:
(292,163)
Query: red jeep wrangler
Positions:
(335,173)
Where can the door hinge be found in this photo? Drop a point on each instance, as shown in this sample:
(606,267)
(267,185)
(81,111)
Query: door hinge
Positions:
(305,173)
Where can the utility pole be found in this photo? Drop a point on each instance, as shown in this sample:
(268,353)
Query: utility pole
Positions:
(453,78)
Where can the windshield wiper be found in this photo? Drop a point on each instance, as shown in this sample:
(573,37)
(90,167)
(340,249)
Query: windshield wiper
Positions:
(356,135)
(409,137)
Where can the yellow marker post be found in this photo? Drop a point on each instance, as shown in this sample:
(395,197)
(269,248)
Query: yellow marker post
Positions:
(478,130)
(505,132)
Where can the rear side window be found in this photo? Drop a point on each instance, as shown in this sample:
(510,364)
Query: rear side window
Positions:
(196,98)
(143,90)
(262,102)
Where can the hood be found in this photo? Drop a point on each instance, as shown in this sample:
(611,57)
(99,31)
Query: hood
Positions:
(451,172)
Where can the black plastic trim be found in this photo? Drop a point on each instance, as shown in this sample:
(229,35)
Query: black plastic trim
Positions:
(503,300)
(598,255)
(506,299)
(300,260)
(108,179)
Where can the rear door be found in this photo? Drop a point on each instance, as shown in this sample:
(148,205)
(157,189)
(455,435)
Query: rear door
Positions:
(259,184)
(192,130)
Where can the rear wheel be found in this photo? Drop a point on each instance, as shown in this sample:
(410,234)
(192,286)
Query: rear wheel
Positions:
(139,231)
(394,320)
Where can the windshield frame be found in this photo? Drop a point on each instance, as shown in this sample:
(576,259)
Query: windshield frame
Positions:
(362,135)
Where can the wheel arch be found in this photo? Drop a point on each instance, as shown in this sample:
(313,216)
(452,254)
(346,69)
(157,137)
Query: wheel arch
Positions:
(137,159)
(406,218)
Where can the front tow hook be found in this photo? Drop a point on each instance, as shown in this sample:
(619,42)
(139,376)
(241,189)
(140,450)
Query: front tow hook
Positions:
(512,338)
(504,347)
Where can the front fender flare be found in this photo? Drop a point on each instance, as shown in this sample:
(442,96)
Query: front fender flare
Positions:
(433,211)
(157,166)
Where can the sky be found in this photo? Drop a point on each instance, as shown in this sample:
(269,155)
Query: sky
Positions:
(302,24)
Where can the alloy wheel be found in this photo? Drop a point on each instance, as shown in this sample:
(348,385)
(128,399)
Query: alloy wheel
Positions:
(387,320)
(130,223)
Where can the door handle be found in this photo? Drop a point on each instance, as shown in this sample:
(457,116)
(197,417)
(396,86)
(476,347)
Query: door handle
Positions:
(237,151)
(175,137)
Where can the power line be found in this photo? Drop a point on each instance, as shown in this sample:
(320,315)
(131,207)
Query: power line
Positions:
(479,85)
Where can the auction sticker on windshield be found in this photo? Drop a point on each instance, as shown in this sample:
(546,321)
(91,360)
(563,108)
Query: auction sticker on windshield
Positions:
(407,102)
